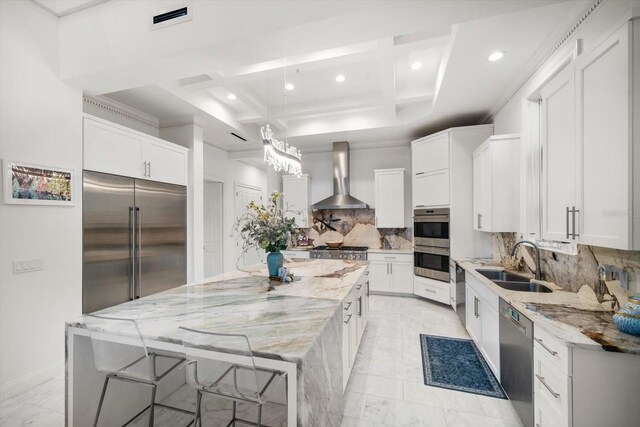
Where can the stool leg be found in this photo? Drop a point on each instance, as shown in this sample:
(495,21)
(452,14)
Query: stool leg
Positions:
(198,415)
(234,413)
(104,391)
(152,407)
(259,415)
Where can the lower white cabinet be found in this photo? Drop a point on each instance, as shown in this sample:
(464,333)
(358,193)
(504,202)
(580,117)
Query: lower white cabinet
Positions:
(391,272)
(483,321)
(355,313)
(432,289)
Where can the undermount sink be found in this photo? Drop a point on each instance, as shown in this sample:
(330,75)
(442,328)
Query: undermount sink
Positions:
(513,282)
(503,276)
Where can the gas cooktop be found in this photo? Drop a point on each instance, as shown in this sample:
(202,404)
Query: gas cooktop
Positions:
(358,253)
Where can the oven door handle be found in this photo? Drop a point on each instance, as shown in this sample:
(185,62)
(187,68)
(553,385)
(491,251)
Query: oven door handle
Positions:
(431,251)
(431,218)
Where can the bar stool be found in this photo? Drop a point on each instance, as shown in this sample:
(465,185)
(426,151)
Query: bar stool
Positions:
(235,378)
(127,360)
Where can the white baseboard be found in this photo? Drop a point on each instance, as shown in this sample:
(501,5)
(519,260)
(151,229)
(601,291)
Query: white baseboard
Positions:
(30,380)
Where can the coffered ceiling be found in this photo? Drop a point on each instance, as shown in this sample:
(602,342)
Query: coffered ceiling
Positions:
(408,68)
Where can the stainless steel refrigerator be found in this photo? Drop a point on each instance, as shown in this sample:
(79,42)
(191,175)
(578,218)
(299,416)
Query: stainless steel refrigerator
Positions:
(134,239)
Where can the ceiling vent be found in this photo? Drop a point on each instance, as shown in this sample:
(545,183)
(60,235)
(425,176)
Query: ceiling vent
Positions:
(238,136)
(181,12)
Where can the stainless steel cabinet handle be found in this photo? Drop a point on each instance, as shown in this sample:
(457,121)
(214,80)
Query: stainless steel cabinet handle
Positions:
(348,305)
(132,254)
(420,173)
(139,241)
(475,307)
(430,290)
(544,383)
(389,257)
(391,267)
(573,220)
(149,170)
(360,307)
(567,222)
(553,353)
(144,169)
(348,319)
(479,223)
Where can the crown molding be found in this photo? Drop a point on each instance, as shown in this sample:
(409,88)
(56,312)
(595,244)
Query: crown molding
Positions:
(122,110)
(550,53)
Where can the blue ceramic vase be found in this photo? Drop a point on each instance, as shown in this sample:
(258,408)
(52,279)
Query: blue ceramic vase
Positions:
(275,260)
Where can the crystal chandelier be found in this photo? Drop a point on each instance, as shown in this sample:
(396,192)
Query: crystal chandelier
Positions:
(281,156)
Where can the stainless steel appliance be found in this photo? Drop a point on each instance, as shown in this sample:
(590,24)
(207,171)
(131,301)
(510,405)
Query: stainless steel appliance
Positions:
(431,262)
(357,253)
(134,239)
(516,360)
(431,227)
(461,303)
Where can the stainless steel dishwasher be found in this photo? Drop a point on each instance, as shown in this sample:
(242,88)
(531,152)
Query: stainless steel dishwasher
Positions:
(516,360)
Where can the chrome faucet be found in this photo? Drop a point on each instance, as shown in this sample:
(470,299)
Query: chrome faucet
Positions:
(534,246)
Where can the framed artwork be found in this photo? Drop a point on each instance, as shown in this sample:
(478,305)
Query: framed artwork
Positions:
(28,184)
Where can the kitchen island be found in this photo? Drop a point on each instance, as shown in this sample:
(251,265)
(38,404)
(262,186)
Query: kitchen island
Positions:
(299,328)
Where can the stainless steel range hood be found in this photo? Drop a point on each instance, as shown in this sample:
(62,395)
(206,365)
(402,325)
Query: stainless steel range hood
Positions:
(341,198)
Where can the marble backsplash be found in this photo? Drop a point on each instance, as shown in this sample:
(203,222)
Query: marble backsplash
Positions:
(356,227)
(574,273)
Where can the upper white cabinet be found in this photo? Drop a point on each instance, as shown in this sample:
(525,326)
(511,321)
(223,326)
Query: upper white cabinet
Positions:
(117,150)
(559,154)
(608,101)
(430,166)
(496,181)
(431,154)
(296,192)
(389,198)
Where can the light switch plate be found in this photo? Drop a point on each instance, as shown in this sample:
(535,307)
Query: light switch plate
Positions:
(27,265)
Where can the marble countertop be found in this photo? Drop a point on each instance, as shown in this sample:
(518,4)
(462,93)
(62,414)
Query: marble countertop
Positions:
(282,321)
(573,318)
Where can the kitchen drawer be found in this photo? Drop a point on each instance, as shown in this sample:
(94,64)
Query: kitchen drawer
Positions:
(551,386)
(546,414)
(293,254)
(432,289)
(557,352)
(379,256)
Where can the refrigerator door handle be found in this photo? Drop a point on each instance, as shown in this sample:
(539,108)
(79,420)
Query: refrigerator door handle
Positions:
(132,254)
(139,255)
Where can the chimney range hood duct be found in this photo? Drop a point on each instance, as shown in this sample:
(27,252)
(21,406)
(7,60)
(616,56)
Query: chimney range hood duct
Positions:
(341,198)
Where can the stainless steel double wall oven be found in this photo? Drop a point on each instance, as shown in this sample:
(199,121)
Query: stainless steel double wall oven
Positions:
(431,237)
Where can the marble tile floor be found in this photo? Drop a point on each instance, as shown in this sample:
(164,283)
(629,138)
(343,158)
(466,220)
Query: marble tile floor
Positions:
(385,390)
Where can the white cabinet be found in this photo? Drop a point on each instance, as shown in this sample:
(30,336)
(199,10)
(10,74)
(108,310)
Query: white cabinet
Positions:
(296,192)
(355,314)
(431,154)
(114,149)
(431,189)
(482,320)
(430,166)
(496,184)
(608,98)
(559,154)
(432,289)
(391,273)
(389,198)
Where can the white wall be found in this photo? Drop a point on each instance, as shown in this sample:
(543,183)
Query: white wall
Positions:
(40,123)
(362,162)
(218,167)
(608,15)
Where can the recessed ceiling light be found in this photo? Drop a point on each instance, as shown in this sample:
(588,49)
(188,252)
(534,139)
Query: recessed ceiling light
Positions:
(231,96)
(340,78)
(289,86)
(496,56)
(416,65)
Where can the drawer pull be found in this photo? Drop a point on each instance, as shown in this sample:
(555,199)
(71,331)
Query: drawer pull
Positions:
(553,353)
(429,290)
(544,383)
(348,305)
(348,319)
(389,257)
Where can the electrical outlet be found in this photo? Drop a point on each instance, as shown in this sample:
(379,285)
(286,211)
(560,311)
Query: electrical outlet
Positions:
(27,266)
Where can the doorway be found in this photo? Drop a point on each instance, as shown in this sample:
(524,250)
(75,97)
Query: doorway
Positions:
(213,236)
(244,194)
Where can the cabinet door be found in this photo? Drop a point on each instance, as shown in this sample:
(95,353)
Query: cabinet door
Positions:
(379,276)
(477,188)
(165,163)
(431,189)
(401,277)
(474,324)
(486,190)
(491,337)
(604,123)
(557,137)
(389,199)
(295,192)
(431,155)
(112,150)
